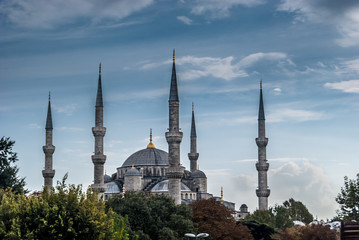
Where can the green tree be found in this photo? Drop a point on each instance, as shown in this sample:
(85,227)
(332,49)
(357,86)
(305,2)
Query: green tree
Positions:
(277,217)
(263,216)
(260,231)
(9,171)
(298,211)
(153,216)
(65,213)
(348,198)
(214,218)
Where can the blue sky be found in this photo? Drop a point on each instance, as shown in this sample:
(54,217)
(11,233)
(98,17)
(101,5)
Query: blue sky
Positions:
(306,52)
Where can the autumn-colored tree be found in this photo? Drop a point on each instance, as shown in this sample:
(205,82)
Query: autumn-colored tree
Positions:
(214,218)
(260,231)
(312,232)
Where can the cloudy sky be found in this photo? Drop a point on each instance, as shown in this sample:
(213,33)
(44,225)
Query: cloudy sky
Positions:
(306,52)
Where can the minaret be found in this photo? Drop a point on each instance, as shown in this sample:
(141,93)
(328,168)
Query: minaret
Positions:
(99,131)
(262,165)
(49,150)
(193,155)
(174,137)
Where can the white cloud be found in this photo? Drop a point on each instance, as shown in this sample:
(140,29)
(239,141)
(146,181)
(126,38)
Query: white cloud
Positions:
(223,68)
(284,159)
(47,14)
(288,114)
(277,91)
(342,14)
(66,109)
(70,129)
(185,20)
(220,8)
(34,125)
(350,66)
(146,94)
(251,59)
(351,86)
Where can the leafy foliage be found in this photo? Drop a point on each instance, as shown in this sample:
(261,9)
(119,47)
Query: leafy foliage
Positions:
(260,231)
(315,232)
(153,216)
(298,211)
(348,198)
(214,218)
(9,171)
(66,213)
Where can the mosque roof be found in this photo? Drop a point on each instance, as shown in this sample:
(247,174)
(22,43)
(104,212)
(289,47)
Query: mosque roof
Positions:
(112,187)
(198,174)
(107,178)
(147,157)
(163,187)
(132,172)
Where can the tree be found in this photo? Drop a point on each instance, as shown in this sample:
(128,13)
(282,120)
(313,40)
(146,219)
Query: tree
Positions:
(298,211)
(153,216)
(260,231)
(277,217)
(348,198)
(214,218)
(9,171)
(316,232)
(65,213)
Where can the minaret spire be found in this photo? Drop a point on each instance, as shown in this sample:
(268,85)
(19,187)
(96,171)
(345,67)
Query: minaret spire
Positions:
(49,150)
(193,155)
(99,132)
(262,165)
(174,137)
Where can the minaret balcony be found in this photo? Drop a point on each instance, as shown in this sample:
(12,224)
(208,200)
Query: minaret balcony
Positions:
(175,172)
(263,192)
(48,149)
(98,159)
(193,156)
(174,137)
(48,173)
(262,166)
(99,131)
(262,142)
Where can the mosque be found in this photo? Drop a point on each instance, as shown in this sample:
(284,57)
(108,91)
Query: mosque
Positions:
(156,171)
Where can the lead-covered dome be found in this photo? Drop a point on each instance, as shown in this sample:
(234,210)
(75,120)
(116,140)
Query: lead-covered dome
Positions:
(147,157)
(198,174)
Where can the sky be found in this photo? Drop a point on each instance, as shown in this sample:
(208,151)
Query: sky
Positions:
(305,51)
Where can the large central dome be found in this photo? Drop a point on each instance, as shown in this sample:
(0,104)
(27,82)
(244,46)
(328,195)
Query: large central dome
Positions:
(147,157)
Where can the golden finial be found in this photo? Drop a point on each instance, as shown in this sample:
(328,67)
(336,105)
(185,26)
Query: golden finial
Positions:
(151,145)
(99,69)
(105,172)
(222,194)
(261,84)
(133,166)
(197,167)
(174,55)
(123,191)
(49,95)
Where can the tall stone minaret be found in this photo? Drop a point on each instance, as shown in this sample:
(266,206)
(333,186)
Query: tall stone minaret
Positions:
(174,137)
(262,165)
(49,150)
(99,131)
(193,155)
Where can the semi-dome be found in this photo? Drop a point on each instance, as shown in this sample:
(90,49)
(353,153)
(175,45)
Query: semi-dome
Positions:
(163,187)
(198,174)
(147,157)
(107,178)
(132,172)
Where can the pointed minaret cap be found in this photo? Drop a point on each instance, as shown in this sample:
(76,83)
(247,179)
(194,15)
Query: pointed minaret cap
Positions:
(99,102)
(261,107)
(174,88)
(49,117)
(222,194)
(151,145)
(193,125)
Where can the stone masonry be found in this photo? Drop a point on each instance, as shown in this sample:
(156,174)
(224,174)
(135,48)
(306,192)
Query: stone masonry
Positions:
(99,131)
(262,165)
(193,155)
(174,138)
(48,149)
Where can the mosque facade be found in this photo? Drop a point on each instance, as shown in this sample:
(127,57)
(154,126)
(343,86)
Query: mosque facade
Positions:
(155,171)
